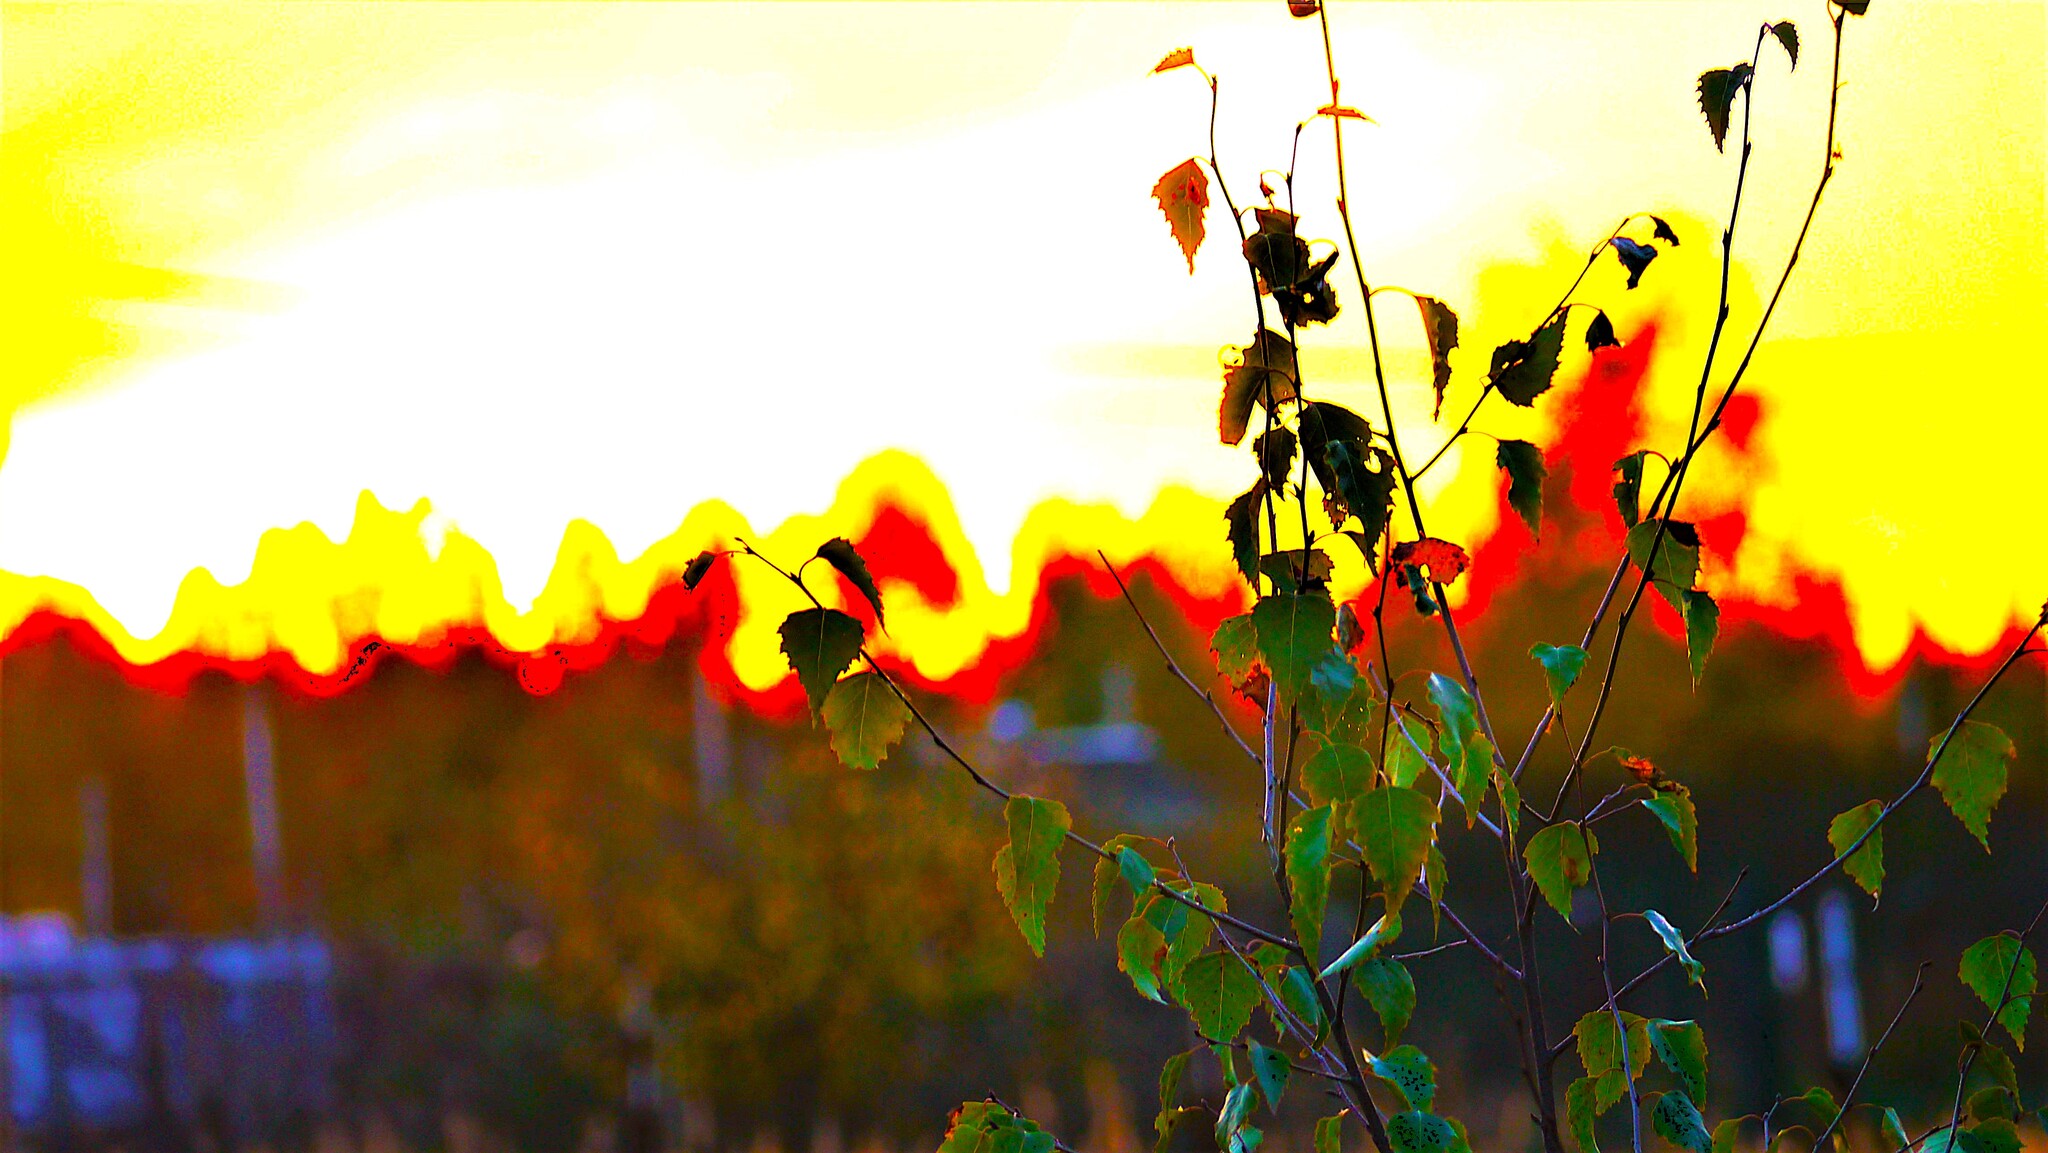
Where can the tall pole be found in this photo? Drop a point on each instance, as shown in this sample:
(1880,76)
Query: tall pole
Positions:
(259,780)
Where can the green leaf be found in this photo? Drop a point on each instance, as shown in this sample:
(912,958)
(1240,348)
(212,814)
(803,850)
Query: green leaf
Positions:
(1674,943)
(1330,1134)
(1460,723)
(1390,990)
(1436,874)
(1600,1049)
(1997,1135)
(1219,993)
(1522,369)
(1241,521)
(1297,992)
(840,554)
(1560,859)
(1678,1121)
(1440,331)
(1473,771)
(1170,1076)
(1183,195)
(820,644)
(1187,932)
(1717,95)
(1674,809)
(1582,1110)
(866,718)
(986,1127)
(1678,557)
(1233,1120)
(1136,870)
(1420,1133)
(1682,1047)
(1971,774)
(1991,1103)
(1408,1070)
(1363,492)
(1265,369)
(1383,932)
(1999,966)
(1561,667)
(1990,1058)
(1294,633)
(1523,462)
(1270,1070)
(1337,773)
(1028,868)
(1789,37)
(1284,569)
(1140,950)
(1702,626)
(1107,870)
(1895,1129)
(1865,866)
(1395,827)
(1323,424)
(1510,797)
(1822,1103)
(1628,490)
(695,571)
(1308,874)
(1275,450)
(1236,645)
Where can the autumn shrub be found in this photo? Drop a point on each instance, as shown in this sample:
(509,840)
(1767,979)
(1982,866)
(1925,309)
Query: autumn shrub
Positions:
(1368,770)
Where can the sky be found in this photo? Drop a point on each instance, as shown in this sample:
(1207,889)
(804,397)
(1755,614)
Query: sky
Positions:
(570,291)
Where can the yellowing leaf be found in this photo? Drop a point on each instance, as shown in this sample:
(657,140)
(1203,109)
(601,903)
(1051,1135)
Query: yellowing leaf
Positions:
(1865,866)
(866,718)
(1560,859)
(1183,195)
(820,644)
(1028,868)
(1341,112)
(1971,774)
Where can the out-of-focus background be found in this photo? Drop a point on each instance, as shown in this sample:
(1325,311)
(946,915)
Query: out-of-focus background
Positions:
(367,779)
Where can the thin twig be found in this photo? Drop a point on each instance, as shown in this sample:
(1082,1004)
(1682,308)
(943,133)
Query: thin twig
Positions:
(1919,982)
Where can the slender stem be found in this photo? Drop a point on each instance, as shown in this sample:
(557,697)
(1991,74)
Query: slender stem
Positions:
(1173,666)
(1848,1098)
(1635,1100)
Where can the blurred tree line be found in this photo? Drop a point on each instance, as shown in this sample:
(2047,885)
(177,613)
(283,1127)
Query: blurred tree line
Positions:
(534,897)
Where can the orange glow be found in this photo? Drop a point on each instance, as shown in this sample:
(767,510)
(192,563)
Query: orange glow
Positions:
(483,299)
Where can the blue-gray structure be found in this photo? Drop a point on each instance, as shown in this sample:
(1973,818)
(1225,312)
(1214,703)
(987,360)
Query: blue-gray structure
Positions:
(165,1043)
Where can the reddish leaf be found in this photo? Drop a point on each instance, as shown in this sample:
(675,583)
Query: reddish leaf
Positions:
(1183,195)
(1300,9)
(1178,58)
(1339,110)
(1639,767)
(1445,561)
